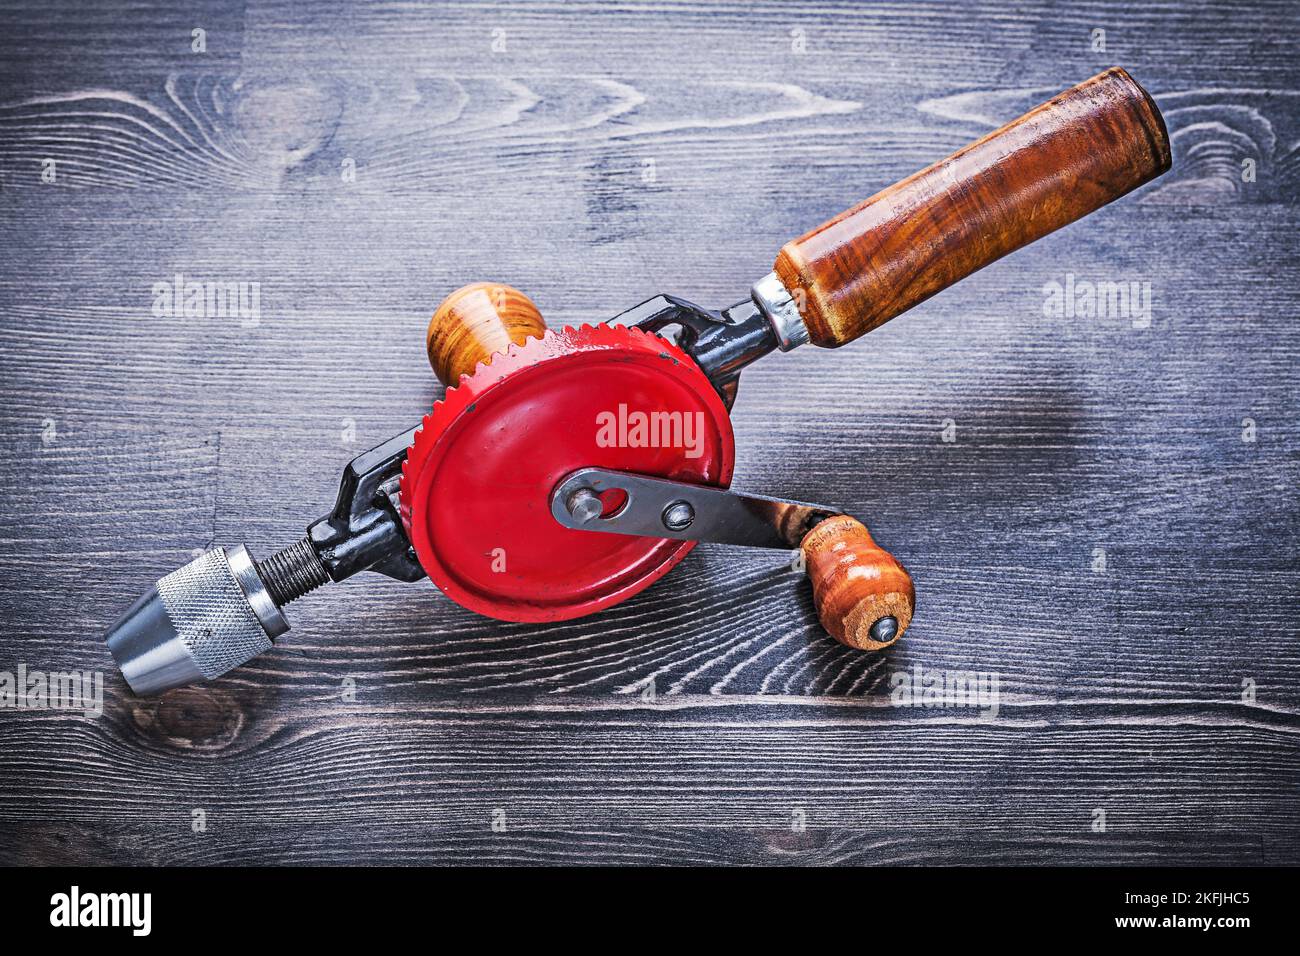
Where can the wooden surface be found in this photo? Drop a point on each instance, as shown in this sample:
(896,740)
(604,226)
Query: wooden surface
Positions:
(604,155)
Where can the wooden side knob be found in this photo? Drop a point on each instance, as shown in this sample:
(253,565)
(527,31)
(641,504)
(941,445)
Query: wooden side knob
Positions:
(864,597)
(474,323)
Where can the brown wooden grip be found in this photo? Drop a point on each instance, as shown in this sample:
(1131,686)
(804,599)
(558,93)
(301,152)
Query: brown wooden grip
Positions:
(1057,163)
(856,583)
(474,323)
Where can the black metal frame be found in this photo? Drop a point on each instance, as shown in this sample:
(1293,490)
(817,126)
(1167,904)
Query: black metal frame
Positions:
(364,531)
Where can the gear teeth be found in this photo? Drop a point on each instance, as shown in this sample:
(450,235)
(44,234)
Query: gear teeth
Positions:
(510,349)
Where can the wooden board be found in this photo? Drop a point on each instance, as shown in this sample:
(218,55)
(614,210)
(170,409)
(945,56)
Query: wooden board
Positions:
(1099,535)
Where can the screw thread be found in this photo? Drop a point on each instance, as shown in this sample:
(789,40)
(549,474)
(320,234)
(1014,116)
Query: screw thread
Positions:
(292,572)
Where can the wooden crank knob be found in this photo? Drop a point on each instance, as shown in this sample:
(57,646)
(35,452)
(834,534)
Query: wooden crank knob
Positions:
(474,323)
(864,597)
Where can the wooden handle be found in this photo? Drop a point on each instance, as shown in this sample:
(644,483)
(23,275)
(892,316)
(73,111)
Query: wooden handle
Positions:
(856,584)
(1057,163)
(474,323)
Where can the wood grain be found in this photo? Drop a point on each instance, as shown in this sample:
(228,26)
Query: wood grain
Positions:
(615,845)
(1121,679)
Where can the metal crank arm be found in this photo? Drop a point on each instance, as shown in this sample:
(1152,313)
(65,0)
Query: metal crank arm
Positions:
(616,502)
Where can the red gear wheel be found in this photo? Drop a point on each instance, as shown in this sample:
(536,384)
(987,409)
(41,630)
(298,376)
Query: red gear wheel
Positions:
(477,481)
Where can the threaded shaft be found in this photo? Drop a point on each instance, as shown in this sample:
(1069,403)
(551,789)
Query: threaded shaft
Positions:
(292,572)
